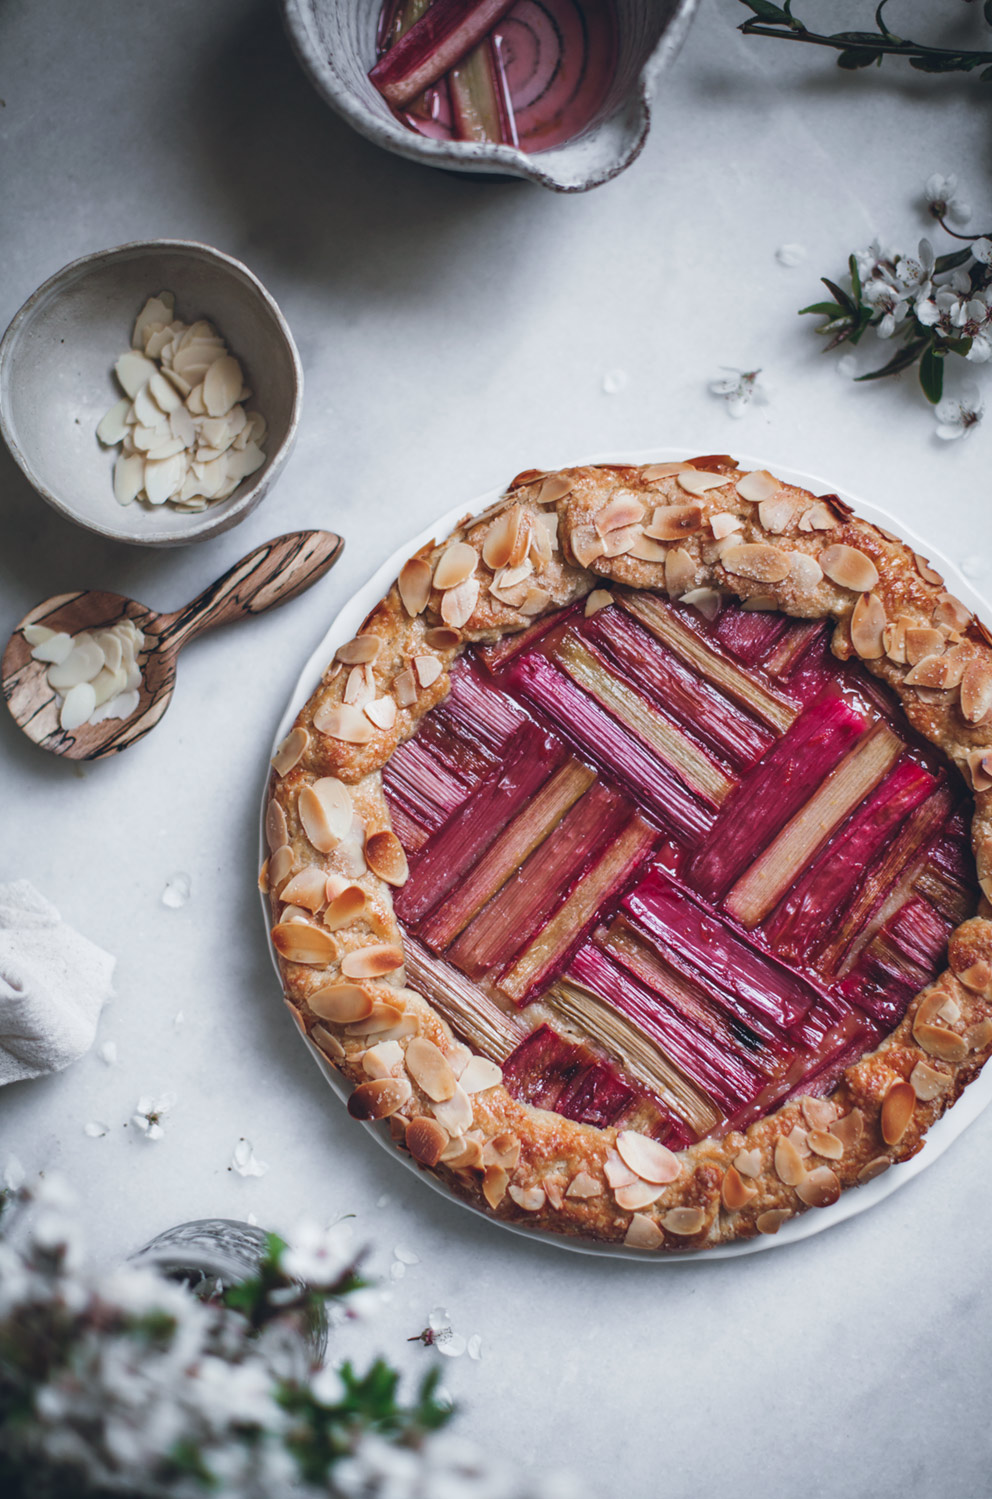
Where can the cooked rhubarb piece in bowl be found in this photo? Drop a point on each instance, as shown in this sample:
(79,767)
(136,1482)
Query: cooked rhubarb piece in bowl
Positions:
(633,860)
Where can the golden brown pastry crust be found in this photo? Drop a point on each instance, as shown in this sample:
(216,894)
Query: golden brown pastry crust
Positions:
(552,539)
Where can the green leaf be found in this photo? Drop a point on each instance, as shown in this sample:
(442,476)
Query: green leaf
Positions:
(840,297)
(900,361)
(855,57)
(821,309)
(932,374)
(765,11)
(951,261)
(852,266)
(960,62)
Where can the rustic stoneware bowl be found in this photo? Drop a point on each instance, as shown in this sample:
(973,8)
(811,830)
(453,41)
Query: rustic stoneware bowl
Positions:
(335,42)
(57,380)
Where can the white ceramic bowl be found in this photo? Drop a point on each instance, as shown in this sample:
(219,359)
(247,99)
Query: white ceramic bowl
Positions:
(57,381)
(335,42)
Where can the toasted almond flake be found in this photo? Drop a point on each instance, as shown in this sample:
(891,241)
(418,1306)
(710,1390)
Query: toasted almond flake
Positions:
(380,1019)
(344,907)
(822,1142)
(425,1140)
(725,524)
(646,550)
(441,638)
(530,1199)
(360,687)
(797,1138)
(735,1193)
(936,1041)
(819,1113)
(327,1042)
(929,1007)
(360,651)
(672,522)
(554,487)
(976,690)
(534,601)
(698,481)
(379,1099)
(385,857)
(950,1010)
(263,877)
(428,1067)
(583,1186)
(951,612)
(494,1185)
(849,568)
(818,517)
(298,942)
(344,1004)
(308,888)
(326,812)
(276,830)
(770,1221)
(874,1168)
(381,711)
(777,515)
(684,1222)
(788,1162)
(501,539)
(647,1158)
(897,1111)
(480,1074)
(405,689)
(927,1083)
(922,641)
(291,751)
(937,673)
(373,961)
(619,513)
(849,1128)
(458,603)
(343,721)
(894,641)
(979,764)
(414,584)
(978,1036)
(427,668)
(926,572)
(680,572)
(757,486)
(469,1158)
(977,977)
(598,599)
(585,545)
(280,866)
(455,1113)
(294,913)
(504,1150)
(819,1188)
(804,571)
(637,1195)
(766,564)
(749,1163)
(656,471)
(706,600)
(867,627)
(383,1059)
(643,1233)
(456,565)
(616,1173)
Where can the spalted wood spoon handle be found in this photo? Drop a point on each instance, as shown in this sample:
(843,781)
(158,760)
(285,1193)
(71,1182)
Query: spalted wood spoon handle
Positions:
(275,572)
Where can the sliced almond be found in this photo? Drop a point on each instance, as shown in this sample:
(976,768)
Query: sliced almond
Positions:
(455,1113)
(819,1189)
(874,1168)
(584,1186)
(425,1140)
(788,1162)
(698,481)
(530,1199)
(405,689)
(979,764)
(503,1150)
(622,543)
(749,1163)
(381,1019)
(534,601)
(344,1004)
(501,539)
(647,550)
(383,1060)
(978,1036)
(926,572)
(382,712)
(897,1111)
(933,672)
(849,1128)
(373,961)
(441,638)
(927,1083)
(326,812)
(725,524)
(770,1221)
(344,907)
(598,599)
(867,627)
(637,1195)
(680,572)
(344,722)
(428,1067)
(757,486)
(469,1158)
(360,687)
(308,888)
(818,517)
(823,1143)
(414,584)
(385,857)
(643,1233)
(480,1074)
(672,522)
(619,513)
(950,611)
(735,1193)
(458,603)
(360,651)
(616,1173)
(456,565)
(936,1041)
(922,641)
(655,471)
(977,977)
(766,564)
(684,1222)
(647,1158)
(379,1099)
(976,690)
(804,571)
(849,568)
(276,830)
(777,515)
(494,1185)
(298,942)
(553,488)
(706,600)
(328,1042)
(291,751)
(819,1113)
(585,545)
(427,668)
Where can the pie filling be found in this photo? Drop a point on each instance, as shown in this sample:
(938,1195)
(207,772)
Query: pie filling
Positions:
(670,872)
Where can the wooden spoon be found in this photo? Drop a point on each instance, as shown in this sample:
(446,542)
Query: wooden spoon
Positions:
(273,573)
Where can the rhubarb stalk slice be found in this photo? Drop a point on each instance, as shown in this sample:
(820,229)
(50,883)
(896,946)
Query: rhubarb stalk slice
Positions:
(465,837)
(549,951)
(497,655)
(603,740)
(548,1072)
(692,702)
(442,36)
(514,845)
(588,670)
(773,792)
(787,651)
(476,104)
(479,712)
(665,625)
(750,635)
(812,905)
(586,1012)
(525,902)
(467,1009)
(858,774)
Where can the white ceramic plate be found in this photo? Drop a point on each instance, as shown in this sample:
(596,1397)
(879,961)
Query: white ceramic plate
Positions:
(957,1119)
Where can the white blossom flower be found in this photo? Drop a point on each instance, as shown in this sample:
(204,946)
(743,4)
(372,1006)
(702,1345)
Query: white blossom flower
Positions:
(890,301)
(149,1112)
(244,1160)
(982,250)
(318,1255)
(440,1335)
(942,200)
(738,388)
(914,273)
(957,416)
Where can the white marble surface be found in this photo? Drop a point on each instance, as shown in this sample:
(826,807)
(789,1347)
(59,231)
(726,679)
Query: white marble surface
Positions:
(454,332)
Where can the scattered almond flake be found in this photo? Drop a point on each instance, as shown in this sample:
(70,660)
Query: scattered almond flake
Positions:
(406,1256)
(177,891)
(614,381)
(474,1347)
(384,1200)
(96,1131)
(179,1020)
(244,1160)
(791,254)
(250,1218)
(94,674)
(149,1112)
(108,1053)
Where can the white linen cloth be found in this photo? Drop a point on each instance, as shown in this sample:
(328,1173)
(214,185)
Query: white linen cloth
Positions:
(53,985)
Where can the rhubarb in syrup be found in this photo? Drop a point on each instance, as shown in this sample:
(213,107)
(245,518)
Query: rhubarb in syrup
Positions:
(538,75)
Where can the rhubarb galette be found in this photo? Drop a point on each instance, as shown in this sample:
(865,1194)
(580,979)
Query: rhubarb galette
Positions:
(635,860)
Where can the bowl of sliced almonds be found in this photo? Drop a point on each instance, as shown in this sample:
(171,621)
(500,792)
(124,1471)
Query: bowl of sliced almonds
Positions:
(151,392)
